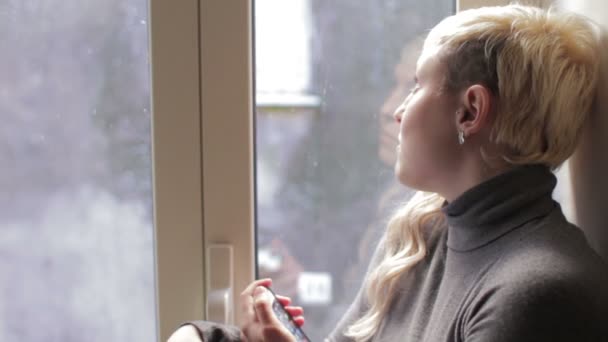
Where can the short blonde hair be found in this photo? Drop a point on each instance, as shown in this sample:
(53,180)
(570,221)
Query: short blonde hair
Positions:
(542,66)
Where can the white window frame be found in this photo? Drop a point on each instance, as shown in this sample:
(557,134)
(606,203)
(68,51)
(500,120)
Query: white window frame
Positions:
(177,176)
(203,146)
(202,140)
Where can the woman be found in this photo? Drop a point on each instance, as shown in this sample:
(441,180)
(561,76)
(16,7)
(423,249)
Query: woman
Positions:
(482,252)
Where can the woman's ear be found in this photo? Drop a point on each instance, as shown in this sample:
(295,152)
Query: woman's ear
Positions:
(475,114)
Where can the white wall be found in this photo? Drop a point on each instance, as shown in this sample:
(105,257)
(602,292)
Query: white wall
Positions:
(465,4)
(594,9)
(589,165)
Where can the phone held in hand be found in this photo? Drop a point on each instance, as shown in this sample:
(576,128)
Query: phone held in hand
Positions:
(287,320)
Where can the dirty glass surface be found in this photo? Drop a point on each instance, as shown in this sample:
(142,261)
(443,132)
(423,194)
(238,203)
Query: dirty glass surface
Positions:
(76,233)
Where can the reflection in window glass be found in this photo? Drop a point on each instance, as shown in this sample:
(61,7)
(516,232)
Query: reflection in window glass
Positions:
(76,234)
(329,74)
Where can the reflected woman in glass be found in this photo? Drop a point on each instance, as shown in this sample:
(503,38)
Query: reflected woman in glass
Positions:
(482,252)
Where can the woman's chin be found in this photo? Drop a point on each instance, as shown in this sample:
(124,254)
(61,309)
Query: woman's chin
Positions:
(400,173)
(407,178)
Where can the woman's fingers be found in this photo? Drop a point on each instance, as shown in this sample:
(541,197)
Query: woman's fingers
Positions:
(294,310)
(247,302)
(263,299)
(299,321)
(285,301)
(256,301)
(297,313)
(262,303)
(272,330)
(266,282)
(260,323)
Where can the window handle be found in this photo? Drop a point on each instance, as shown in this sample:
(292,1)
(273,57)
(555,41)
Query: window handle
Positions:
(219,283)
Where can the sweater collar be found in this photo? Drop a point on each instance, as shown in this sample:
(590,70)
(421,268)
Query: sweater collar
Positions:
(496,206)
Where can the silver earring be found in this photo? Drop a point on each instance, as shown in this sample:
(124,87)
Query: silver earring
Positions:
(461,137)
(460,133)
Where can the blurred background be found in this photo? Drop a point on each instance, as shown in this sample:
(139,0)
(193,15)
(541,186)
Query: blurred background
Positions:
(76,233)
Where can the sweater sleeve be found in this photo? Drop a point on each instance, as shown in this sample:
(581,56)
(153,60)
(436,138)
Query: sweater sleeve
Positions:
(216,332)
(545,310)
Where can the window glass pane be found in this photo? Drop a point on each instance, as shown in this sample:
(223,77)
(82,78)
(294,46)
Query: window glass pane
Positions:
(76,234)
(329,74)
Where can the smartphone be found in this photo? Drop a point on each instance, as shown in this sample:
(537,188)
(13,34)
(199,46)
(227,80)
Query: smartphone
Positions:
(287,320)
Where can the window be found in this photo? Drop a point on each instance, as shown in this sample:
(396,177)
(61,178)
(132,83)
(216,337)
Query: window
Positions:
(328,77)
(76,219)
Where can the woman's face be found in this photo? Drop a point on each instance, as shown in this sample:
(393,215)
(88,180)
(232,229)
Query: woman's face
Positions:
(428,147)
(404,76)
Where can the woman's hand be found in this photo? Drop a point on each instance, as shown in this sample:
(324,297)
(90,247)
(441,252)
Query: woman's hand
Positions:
(260,322)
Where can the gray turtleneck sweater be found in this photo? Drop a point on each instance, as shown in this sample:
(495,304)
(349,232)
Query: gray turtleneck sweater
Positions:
(508,267)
